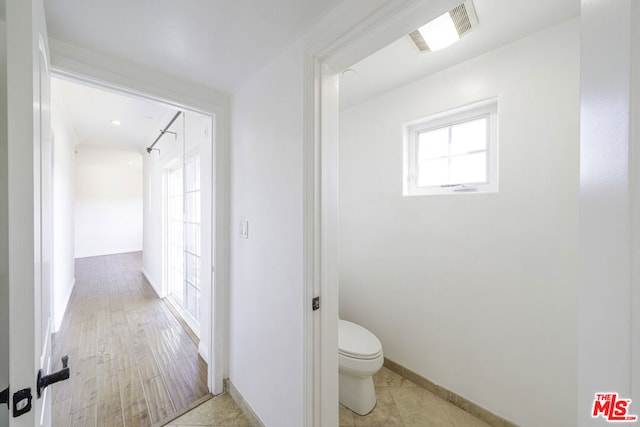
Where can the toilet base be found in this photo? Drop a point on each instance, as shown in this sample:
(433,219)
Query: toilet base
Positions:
(357,393)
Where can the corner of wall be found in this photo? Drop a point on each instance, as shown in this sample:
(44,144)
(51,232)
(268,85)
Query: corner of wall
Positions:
(152,282)
(61,309)
(246,409)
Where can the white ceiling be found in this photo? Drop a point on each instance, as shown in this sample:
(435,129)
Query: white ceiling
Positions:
(89,112)
(219,44)
(500,22)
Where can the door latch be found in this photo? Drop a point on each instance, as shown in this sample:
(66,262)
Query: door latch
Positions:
(22,402)
(46,380)
(315,304)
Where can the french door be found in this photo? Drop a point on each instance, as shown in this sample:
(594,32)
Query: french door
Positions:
(184,240)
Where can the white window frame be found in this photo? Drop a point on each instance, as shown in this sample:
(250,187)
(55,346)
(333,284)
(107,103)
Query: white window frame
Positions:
(486,108)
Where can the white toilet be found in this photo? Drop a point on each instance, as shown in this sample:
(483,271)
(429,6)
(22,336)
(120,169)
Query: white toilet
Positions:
(359,358)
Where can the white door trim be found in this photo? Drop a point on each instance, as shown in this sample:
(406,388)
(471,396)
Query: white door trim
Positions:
(219,113)
(324,60)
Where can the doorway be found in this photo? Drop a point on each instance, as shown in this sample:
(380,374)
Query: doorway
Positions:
(195,153)
(366,181)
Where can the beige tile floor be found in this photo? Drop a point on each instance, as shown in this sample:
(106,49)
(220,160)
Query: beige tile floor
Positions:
(401,403)
(221,411)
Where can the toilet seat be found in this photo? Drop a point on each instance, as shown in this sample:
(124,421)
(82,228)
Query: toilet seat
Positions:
(356,342)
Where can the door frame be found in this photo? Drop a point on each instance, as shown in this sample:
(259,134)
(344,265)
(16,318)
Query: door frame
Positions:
(101,78)
(322,68)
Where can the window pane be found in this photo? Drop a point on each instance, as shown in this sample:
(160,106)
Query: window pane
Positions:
(433,144)
(192,238)
(192,303)
(469,169)
(175,233)
(469,136)
(192,207)
(433,172)
(193,269)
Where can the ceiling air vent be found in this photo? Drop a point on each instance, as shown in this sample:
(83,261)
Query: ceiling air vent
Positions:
(446,29)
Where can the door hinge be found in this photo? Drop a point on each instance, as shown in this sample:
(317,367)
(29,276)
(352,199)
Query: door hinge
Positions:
(315,303)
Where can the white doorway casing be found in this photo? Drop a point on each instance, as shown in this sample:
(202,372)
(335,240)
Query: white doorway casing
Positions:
(326,58)
(609,295)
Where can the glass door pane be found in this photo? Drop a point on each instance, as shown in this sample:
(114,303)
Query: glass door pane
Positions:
(175,230)
(184,236)
(193,236)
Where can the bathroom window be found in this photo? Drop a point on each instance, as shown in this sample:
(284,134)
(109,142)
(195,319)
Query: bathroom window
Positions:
(453,152)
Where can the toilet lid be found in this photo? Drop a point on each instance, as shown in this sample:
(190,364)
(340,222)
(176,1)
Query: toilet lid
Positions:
(356,341)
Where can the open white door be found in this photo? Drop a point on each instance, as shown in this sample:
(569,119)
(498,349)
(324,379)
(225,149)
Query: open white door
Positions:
(29,200)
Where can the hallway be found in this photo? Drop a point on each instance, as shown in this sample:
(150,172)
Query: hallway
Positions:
(132,363)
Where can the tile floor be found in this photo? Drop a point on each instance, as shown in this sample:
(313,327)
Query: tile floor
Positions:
(219,411)
(401,403)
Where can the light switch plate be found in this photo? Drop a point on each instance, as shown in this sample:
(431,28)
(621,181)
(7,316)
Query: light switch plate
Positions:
(244,229)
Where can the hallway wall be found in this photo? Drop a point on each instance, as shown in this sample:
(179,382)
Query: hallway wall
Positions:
(63,211)
(108,208)
(266,329)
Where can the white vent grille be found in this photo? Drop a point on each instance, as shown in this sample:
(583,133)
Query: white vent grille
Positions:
(464,18)
(460,19)
(417,39)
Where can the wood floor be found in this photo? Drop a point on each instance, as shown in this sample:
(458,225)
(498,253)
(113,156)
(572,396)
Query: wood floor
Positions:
(131,362)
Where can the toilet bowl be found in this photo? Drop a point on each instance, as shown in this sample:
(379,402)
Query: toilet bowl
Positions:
(359,358)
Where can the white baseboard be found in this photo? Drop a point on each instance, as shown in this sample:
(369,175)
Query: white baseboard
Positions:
(153,283)
(107,252)
(246,409)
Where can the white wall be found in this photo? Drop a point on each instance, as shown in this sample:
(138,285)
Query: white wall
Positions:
(477,292)
(152,252)
(609,197)
(266,311)
(63,213)
(108,207)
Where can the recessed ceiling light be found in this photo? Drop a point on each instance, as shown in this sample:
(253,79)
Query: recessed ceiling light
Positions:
(446,29)
(116,122)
